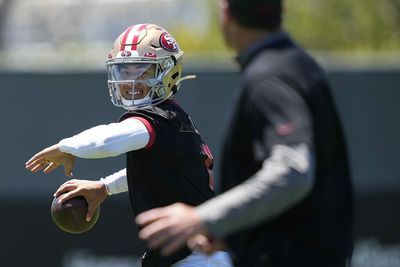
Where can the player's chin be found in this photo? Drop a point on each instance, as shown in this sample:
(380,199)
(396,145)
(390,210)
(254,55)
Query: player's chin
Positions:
(138,97)
(127,96)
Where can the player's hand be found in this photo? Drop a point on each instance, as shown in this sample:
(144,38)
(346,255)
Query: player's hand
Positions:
(50,159)
(169,228)
(94,192)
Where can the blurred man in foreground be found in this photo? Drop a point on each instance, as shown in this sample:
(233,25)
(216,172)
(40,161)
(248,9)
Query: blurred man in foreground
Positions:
(287,194)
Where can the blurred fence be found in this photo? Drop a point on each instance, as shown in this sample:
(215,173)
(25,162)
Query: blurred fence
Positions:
(37,109)
(44,102)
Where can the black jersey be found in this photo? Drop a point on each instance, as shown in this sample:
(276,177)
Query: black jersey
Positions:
(174,167)
(285,99)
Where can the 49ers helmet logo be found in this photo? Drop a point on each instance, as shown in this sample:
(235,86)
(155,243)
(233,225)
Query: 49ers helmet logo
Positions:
(168,42)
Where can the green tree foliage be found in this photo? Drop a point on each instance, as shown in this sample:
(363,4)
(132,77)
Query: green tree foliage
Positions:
(334,25)
(345,25)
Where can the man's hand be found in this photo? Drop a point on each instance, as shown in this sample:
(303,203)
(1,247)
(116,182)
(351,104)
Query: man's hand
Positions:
(169,228)
(94,192)
(205,244)
(49,159)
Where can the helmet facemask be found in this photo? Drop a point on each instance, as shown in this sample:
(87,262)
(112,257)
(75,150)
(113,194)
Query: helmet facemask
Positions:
(135,84)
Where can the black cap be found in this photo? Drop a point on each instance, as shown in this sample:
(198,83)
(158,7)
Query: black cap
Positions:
(265,14)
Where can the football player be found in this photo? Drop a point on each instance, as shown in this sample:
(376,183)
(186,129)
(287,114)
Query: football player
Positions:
(167,161)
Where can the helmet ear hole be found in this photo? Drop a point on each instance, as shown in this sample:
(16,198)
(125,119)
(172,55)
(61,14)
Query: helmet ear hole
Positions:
(176,74)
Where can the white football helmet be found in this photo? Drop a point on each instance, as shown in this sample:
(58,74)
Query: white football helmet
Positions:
(144,67)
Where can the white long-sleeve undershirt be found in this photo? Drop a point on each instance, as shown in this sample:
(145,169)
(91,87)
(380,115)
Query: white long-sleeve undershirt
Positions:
(285,178)
(108,141)
(116,183)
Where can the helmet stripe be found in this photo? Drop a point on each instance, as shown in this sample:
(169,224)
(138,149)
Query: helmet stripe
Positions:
(136,36)
(131,37)
(123,42)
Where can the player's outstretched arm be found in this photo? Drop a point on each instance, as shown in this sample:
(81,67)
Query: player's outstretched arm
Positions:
(94,191)
(101,141)
(50,159)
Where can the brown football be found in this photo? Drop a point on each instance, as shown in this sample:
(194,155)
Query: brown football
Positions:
(70,215)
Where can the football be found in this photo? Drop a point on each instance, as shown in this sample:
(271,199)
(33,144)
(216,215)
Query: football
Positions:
(70,215)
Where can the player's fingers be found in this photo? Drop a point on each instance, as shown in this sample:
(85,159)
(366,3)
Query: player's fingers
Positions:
(69,165)
(37,167)
(68,195)
(71,182)
(29,165)
(66,187)
(90,212)
(33,159)
(29,162)
(51,167)
(36,164)
(68,172)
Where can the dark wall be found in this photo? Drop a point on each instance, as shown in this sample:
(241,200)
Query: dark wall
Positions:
(38,109)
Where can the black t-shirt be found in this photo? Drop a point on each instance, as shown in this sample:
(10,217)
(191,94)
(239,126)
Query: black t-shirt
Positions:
(174,168)
(284,98)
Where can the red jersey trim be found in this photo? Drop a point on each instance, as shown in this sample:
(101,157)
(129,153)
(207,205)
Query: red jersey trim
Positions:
(149,128)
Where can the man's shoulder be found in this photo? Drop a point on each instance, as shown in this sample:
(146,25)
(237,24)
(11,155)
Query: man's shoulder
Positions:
(270,59)
(289,63)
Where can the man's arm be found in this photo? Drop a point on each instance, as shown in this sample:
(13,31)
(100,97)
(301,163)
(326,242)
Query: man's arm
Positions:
(284,179)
